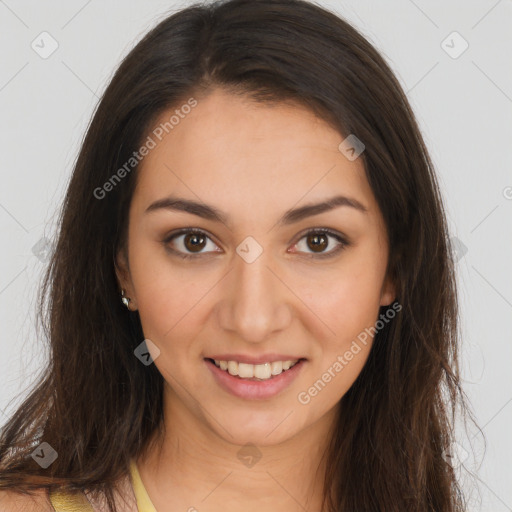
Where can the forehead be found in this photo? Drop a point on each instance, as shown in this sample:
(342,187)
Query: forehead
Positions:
(229,149)
(235,126)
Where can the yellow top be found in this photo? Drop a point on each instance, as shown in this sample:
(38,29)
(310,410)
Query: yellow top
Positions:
(143,502)
(65,502)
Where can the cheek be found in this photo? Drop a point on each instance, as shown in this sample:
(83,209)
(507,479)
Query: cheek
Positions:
(350,308)
(350,301)
(170,300)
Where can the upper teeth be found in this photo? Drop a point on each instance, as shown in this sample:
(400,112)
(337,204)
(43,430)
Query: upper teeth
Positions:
(260,371)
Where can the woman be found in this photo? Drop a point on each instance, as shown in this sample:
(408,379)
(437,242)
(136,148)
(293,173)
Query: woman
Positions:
(252,300)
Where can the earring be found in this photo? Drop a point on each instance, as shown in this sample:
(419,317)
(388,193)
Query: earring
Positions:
(125,300)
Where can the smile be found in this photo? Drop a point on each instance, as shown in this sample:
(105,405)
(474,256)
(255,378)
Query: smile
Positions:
(254,382)
(263,371)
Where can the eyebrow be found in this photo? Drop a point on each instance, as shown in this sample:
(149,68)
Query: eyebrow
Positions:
(290,217)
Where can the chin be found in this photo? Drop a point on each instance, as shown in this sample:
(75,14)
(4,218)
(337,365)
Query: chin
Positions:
(264,428)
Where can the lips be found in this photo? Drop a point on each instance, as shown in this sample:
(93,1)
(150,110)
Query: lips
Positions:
(252,388)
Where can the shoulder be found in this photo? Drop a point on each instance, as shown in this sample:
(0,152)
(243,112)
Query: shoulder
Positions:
(12,501)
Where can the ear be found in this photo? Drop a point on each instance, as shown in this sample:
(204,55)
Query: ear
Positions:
(123,275)
(388,292)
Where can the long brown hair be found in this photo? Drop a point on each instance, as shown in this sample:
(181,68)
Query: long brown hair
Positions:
(98,406)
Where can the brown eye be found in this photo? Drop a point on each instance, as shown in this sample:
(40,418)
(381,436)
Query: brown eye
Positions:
(194,242)
(317,242)
(189,243)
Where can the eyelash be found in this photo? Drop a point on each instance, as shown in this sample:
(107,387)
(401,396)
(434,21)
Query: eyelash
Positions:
(321,231)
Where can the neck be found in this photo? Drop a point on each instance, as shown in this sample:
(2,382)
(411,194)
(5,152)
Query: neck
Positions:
(188,464)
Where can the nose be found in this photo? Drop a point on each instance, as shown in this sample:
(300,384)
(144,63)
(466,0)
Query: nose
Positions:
(255,303)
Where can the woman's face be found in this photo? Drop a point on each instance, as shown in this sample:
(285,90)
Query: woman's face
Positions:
(258,287)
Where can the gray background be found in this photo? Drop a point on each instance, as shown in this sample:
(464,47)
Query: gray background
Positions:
(464,106)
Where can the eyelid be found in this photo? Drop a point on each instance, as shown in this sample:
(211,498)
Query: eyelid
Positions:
(340,237)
